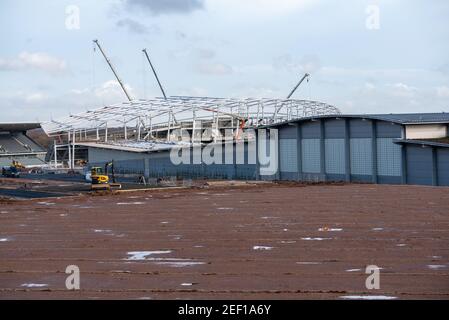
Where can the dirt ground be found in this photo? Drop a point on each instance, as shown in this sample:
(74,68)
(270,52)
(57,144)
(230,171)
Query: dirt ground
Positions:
(259,242)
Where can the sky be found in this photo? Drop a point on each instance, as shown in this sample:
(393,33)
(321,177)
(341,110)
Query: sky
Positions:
(364,56)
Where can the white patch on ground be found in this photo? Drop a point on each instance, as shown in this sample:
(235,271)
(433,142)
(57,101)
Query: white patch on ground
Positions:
(141,255)
(2,212)
(308,263)
(129,203)
(401,245)
(63,215)
(175,236)
(225,208)
(368,297)
(315,239)
(102,230)
(164,222)
(377,229)
(330,229)
(180,264)
(436,257)
(133,197)
(186,284)
(288,242)
(86,207)
(221,194)
(198,246)
(46,203)
(145,298)
(34,285)
(262,248)
(436,266)
(353,270)
(266,218)
(285,230)
(4,239)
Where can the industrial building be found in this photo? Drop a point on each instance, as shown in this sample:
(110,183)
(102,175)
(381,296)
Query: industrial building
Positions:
(16,145)
(384,148)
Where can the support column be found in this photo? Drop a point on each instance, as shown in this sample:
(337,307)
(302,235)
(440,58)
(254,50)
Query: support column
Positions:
(434,167)
(347,151)
(404,163)
(299,151)
(69,148)
(74,144)
(257,154)
(374,150)
(322,151)
(56,153)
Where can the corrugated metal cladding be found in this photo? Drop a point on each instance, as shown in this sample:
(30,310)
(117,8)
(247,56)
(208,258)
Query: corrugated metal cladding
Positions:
(159,164)
(356,149)
(348,148)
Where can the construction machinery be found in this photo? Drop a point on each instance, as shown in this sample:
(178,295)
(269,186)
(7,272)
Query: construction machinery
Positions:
(100,178)
(12,171)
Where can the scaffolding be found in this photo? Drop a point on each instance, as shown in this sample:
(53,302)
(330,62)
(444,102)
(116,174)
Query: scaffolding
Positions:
(156,119)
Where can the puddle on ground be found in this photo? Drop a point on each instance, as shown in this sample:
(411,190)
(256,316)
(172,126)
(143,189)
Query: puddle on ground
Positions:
(368,297)
(262,248)
(129,203)
(141,255)
(436,266)
(170,262)
(353,270)
(34,285)
(330,229)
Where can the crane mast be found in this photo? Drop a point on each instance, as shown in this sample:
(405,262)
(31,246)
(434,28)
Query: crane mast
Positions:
(113,70)
(306,76)
(154,72)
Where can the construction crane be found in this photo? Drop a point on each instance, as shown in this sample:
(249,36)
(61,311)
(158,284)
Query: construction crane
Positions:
(113,70)
(306,76)
(154,72)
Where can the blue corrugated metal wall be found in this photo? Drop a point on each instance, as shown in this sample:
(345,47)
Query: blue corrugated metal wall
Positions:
(419,170)
(443,166)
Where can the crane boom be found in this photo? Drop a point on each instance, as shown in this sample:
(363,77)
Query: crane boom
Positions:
(154,72)
(113,70)
(299,83)
(306,76)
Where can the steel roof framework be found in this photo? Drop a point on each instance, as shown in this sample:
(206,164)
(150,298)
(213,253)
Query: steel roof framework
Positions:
(158,112)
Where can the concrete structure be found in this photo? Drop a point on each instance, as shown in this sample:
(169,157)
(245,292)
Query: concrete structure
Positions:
(16,145)
(351,148)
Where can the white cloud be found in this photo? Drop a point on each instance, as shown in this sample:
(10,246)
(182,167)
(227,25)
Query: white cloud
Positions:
(214,68)
(36,97)
(37,60)
(261,8)
(111,92)
(443,92)
(402,90)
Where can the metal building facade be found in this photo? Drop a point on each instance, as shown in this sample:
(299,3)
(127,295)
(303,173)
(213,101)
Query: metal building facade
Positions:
(370,149)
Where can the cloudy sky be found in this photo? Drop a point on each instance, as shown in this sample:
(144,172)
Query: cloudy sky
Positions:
(360,61)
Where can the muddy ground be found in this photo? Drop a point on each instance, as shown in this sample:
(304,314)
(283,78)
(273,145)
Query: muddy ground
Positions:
(255,242)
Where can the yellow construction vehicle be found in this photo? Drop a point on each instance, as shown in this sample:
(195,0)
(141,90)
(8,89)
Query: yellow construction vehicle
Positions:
(17,165)
(100,178)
